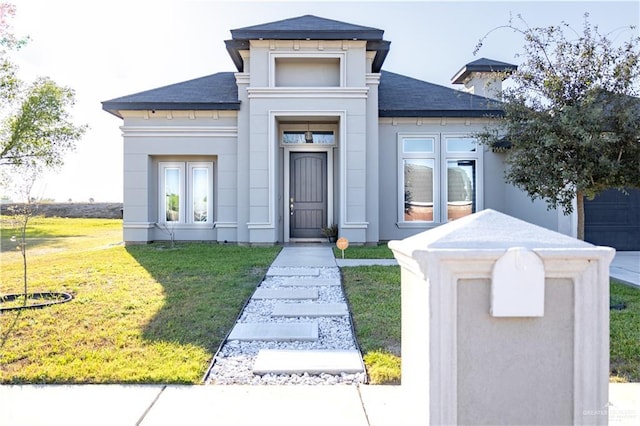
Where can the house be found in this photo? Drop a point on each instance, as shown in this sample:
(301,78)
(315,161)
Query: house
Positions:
(308,132)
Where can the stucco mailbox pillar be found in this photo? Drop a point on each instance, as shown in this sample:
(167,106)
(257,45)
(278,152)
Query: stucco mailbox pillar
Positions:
(504,322)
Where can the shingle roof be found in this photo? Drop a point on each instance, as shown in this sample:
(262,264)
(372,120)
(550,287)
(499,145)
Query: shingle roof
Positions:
(308,27)
(212,92)
(481,65)
(402,96)
(398,96)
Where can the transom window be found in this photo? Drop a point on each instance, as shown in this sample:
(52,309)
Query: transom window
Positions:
(438,177)
(308,133)
(186,192)
(315,137)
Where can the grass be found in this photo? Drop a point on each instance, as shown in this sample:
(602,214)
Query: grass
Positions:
(373,293)
(381,251)
(141,314)
(374,298)
(624,326)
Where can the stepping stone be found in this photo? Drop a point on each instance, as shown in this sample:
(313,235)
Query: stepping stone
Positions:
(310,310)
(285,293)
(281,332)
(310,282)
(311,362)
(293,272)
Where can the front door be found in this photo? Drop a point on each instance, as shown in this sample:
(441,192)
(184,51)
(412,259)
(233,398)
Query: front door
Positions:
(308,194)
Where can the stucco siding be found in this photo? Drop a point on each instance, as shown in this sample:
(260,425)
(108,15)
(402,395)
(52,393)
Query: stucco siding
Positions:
(147,142)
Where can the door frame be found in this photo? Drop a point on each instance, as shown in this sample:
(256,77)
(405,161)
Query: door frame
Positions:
(287,166)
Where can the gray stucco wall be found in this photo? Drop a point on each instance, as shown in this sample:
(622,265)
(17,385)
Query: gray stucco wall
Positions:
(177,136)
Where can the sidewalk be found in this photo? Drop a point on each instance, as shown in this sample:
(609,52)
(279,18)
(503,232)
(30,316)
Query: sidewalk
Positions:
(149,405)
(626,267)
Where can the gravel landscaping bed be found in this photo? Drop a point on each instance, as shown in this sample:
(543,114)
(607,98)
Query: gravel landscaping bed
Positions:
(234,362)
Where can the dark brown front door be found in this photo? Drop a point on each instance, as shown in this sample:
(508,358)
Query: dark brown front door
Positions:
(308,194)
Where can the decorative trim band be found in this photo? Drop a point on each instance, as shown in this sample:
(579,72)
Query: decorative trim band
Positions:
(180,131)
(355,225)
(138,225)
(260,225)
(309,92)
(225,225)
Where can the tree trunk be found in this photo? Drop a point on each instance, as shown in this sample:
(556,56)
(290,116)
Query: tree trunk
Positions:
(580,211)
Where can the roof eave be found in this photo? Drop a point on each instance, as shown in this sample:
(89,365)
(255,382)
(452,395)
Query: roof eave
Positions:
(441,113)
(359,34)
(467,70)
(234,47)
(115,107)
(381,47)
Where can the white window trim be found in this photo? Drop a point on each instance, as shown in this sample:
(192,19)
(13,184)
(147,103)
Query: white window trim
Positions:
(162,207)
(441,156)
(476,156)
(402,156)
(185,192)
(191,165)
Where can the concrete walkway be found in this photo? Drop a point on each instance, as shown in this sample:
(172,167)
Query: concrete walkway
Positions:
(293,285)
(113,405)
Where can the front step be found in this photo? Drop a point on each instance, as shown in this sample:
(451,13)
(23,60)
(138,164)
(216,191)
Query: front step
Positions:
(273,331)
(310,310)
(285,293)
(270,361)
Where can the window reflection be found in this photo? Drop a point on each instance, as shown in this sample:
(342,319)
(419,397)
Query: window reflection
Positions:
(418,189)
(172,194)
(461,188)
(200,191)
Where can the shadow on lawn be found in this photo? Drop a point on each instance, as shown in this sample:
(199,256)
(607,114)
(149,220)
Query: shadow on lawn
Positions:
(205,287)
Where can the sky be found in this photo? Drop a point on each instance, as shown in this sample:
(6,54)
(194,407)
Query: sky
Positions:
(105,49)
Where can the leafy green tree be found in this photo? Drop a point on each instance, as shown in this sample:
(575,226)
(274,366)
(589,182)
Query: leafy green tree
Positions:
(40,131)
(8,41)
(571,116)
(37,127)
(36,131)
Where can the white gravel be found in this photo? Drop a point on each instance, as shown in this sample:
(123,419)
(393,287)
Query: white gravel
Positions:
(234,362)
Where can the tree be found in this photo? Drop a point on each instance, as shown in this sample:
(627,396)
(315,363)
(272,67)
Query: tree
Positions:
(41,130)
(36,131)
(8,41)
(37,126)
(21,214)
(572,117)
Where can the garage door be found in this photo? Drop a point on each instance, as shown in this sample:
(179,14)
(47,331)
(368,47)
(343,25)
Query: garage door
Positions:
(613,219)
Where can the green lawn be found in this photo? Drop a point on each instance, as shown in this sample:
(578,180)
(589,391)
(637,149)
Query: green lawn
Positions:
(141,314)
(624,326)
(373,293)
(374,298)
(381,251)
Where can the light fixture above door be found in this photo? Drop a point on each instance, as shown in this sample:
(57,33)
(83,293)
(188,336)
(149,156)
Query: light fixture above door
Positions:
(308,135)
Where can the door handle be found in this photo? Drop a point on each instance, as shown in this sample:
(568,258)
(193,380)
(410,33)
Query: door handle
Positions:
(291,207)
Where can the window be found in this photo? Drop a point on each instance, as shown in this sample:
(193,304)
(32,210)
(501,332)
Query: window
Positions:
(438,177)
(299,137)
(186,192)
